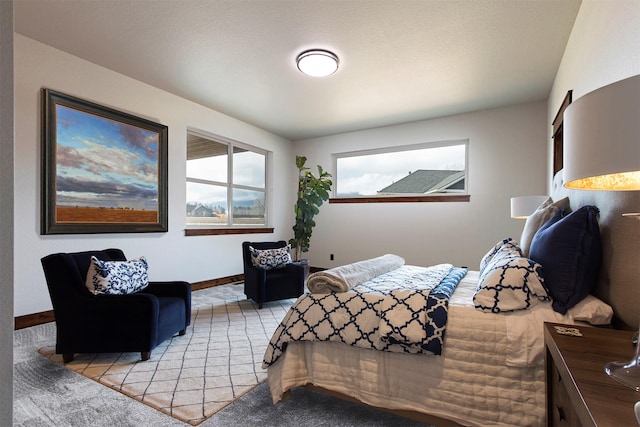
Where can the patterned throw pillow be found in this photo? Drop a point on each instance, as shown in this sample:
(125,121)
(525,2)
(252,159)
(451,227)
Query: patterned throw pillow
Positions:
(504,246)
(117,277)
(508,284)
(269,259)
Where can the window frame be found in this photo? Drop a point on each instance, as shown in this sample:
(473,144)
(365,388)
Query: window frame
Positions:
(230,227)
(448,196)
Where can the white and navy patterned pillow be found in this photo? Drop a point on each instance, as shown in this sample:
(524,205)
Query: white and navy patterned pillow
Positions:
(510,283)
(269,259)
(503,246)
(117,277)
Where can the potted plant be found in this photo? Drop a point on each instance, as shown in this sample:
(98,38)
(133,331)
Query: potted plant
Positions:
(312,192)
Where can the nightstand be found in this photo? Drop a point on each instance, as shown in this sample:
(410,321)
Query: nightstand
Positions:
(579,393)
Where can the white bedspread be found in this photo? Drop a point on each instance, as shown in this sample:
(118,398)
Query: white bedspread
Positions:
(491,371)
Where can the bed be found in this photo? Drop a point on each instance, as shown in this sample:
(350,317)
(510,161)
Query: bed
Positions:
(491,368)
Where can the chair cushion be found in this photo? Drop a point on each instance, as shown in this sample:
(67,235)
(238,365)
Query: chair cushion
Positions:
(171,316)
(117,277)
(268,259)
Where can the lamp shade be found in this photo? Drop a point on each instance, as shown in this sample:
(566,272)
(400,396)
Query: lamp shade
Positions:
(523,206)
(602,138)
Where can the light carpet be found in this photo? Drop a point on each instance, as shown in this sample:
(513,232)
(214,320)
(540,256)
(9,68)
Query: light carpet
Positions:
(192,377)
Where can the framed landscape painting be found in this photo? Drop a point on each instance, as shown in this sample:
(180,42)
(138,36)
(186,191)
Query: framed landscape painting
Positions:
(103,170)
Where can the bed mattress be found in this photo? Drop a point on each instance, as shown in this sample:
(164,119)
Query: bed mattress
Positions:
(491,371)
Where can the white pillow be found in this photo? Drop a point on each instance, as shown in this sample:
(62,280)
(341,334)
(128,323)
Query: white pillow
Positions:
(117,277)
(510,283)
(542,214)
(269,259)
(592,310)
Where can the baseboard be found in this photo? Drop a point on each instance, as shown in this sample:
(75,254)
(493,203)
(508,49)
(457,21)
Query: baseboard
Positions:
(216,282)
(28,320)
(21,322)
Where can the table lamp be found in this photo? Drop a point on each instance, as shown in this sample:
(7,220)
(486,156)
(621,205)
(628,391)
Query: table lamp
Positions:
(602,152)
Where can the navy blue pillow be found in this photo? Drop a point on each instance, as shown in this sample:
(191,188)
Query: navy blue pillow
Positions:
(570,251)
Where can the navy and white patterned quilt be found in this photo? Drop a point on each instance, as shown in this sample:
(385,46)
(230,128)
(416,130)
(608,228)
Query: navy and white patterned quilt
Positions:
(403,311)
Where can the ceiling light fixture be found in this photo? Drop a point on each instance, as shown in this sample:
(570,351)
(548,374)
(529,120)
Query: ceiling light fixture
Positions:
(317,62)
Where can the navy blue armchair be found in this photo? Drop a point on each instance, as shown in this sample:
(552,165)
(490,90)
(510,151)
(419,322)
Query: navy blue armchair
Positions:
(263,285)
(88,323)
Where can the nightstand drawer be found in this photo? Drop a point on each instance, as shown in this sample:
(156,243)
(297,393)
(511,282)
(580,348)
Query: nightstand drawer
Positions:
(562,412)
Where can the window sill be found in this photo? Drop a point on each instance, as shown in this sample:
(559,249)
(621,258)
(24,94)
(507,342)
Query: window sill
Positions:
(402,199)
(222,231)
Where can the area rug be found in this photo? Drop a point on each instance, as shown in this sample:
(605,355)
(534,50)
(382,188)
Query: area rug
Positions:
(192,377)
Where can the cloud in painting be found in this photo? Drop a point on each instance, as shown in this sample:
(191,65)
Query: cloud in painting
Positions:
(105,163)
(140,140)
(77,192)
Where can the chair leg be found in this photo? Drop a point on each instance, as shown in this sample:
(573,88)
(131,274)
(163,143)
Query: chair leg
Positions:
(67,357)
(146,355)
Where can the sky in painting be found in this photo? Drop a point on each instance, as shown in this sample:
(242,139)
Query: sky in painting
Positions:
(104,163)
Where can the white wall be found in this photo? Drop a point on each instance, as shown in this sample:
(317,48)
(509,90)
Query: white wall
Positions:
(507,157)
(171,255)
(604,47)
(6,213)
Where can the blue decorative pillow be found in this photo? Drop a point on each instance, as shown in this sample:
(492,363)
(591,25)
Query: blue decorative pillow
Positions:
(510,283)
(570,251)
(504,245)
(269,259)
(117,277)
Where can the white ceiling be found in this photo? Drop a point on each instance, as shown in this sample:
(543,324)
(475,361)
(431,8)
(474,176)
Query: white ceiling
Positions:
(401,60)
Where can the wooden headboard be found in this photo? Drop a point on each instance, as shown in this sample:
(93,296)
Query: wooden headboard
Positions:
(619,279)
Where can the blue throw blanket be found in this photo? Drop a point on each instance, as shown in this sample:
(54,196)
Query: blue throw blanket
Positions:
(404,310)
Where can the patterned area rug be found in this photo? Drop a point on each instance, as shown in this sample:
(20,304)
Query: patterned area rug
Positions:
(192,377)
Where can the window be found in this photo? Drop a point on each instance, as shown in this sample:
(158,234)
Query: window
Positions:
(414,171)
(226,183)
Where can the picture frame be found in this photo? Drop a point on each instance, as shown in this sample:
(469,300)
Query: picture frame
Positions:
(103,170)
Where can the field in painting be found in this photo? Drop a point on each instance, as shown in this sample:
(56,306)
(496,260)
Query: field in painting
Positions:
(66,214)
